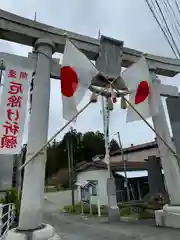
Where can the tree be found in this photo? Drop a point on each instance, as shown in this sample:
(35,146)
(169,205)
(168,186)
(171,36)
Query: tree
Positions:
(94,144)
(114,146)
(85,147)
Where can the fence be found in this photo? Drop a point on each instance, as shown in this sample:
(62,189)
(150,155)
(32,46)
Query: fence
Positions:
(7,216)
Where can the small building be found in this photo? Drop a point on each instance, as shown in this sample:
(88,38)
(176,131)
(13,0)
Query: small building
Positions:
(140,167)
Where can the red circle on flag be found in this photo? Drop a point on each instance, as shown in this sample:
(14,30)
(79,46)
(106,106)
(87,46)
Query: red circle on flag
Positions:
(69,81)
(142,92)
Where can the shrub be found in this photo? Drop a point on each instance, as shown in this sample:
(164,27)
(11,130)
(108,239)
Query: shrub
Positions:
(11,196)
(141,210)
(147,214)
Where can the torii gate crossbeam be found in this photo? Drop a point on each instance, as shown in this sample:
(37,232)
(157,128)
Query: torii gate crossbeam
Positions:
(48,40)
(25,31)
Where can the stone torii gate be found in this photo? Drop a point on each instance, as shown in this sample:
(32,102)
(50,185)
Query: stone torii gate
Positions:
(47,40)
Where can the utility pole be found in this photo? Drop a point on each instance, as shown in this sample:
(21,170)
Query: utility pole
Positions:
(35,15)
(69,161)
(71,158)
(124,165)
(2,68)
(106,115)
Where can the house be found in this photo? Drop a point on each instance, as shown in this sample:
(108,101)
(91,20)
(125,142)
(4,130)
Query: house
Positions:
(132,169)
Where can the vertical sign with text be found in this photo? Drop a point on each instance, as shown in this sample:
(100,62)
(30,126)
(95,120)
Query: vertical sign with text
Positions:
(13,107)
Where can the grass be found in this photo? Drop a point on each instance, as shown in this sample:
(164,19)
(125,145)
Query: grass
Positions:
(134,211)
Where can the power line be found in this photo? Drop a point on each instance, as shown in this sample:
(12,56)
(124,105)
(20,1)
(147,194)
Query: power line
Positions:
(174,14)
(162,29)
(177,5)
(172,18)
(168,29)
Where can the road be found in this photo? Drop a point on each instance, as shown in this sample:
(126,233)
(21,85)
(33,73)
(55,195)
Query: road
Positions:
(72,227)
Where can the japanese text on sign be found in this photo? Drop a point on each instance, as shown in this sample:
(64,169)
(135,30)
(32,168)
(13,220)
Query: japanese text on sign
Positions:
(14,99)
(11,126)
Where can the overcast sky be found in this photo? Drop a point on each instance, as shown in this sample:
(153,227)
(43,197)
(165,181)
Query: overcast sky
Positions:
(125,20)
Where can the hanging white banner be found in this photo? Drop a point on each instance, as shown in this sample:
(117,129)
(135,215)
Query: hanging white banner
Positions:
(14,105)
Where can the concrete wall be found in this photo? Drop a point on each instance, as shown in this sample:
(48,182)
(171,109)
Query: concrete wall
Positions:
(61,198)
(101,176)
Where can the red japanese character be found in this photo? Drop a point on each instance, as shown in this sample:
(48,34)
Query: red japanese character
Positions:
(10,115)
(12,73)
(23,75)
(8,141)
(11,128)
(14,101)
(15,88)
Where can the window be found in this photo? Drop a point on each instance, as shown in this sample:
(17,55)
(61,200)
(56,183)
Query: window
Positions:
(94,184)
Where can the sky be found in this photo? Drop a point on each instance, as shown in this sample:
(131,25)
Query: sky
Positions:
(127,20)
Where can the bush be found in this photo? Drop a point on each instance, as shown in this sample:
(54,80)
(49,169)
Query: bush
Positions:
(137,210)
(157,202)
(146,214)
(125,211)
(11,196)
(141,210)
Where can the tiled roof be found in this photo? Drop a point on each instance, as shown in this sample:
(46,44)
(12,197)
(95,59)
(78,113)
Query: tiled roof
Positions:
(131,165)
(116,166)
(134,148)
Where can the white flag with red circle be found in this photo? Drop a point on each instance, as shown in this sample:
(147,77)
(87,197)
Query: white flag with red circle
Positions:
(142,95)
(76,75)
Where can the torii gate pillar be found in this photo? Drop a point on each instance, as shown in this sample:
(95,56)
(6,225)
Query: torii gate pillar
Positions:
(172,105)
(169,216)
(31,213)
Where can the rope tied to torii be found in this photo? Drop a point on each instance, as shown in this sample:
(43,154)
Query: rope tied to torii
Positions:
(80,111)
(65,125)
(100,92)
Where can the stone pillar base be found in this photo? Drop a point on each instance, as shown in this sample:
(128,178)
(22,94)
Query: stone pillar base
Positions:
(169,216)
(114,214)
(113,210)
(46,233)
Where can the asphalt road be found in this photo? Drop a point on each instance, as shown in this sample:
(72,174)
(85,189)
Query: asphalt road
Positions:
(72,227)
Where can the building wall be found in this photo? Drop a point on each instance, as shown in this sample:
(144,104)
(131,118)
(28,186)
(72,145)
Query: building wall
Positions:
(99,175)
(61,198)
(137,156)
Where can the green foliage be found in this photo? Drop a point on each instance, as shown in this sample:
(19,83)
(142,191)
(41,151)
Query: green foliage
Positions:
(133,211)
(125,211)
(137,210)
(84,148)
(114,146)
(157,202)
(11,196)
(147,214)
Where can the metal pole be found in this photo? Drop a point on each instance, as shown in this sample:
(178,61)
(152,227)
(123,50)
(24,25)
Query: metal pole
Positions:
(2,68)
(103,113)
(1,72)
(69,162)
(72,169)
(139,190)
(124,165)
